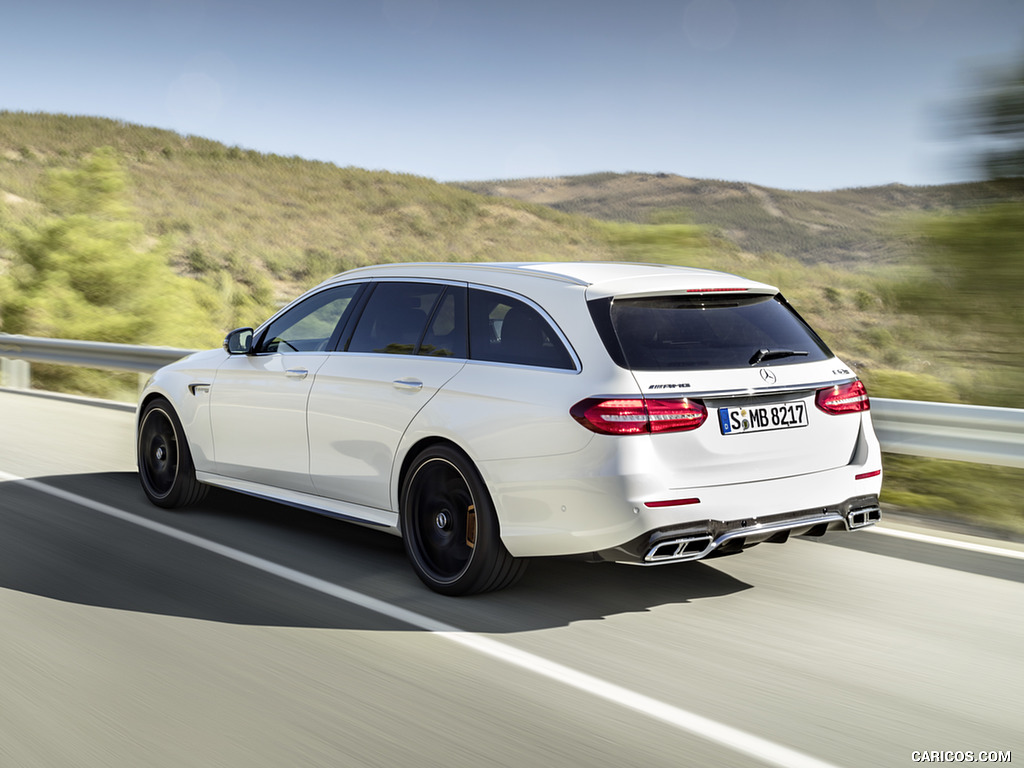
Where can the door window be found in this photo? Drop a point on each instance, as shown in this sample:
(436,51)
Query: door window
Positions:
(446,331)
(395,318)
(310,325)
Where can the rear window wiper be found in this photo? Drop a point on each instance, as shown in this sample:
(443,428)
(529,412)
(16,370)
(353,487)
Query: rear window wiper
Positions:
(775,354)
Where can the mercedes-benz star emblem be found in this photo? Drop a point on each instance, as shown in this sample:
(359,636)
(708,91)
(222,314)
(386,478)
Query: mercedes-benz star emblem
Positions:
(768,376)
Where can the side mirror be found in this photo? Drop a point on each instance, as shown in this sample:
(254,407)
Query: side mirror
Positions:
(238,342)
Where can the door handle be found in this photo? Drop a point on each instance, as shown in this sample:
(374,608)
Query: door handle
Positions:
(296,373)
(413,384)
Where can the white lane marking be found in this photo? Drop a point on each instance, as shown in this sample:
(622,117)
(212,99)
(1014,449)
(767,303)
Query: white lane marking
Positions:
(970,546)
(697,725)
(690,722)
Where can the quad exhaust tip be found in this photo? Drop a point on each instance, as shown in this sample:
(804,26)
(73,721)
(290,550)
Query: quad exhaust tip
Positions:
(698,545)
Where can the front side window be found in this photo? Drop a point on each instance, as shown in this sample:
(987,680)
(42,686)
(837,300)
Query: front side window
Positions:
(705,332)
(395,318)
(309,326)
(503,329)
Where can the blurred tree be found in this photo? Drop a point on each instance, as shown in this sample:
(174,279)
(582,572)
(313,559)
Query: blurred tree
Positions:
(88,271)
(995,114)
(974,259)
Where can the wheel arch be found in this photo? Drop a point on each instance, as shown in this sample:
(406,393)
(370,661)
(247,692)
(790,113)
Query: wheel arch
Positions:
(437,526)
(418,447)
(148,398)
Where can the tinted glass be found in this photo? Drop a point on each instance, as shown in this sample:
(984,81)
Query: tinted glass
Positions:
(395,318)
(506,330)
(446,331)
(308,326)
(710,332)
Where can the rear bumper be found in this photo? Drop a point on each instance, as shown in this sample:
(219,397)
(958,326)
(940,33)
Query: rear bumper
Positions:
(619,495)
(697,540)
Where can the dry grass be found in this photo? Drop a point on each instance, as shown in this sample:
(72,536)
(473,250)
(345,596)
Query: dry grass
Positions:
(276,225)
(850,227)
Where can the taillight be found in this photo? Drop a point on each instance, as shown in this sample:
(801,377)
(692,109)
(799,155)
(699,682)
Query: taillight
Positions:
(843,398)
(611,417)
(675,415)
(638,415)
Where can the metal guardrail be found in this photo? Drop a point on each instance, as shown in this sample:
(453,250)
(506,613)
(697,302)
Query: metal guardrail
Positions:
(90,354)
(974,433)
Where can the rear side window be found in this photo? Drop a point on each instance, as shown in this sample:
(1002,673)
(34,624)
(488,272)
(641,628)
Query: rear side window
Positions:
(503,329)
(705,332)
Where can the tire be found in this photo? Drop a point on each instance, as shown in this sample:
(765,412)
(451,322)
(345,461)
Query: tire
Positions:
(450,528)
(166,471)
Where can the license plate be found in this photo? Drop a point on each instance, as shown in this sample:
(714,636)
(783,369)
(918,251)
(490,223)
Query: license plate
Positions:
(762,418)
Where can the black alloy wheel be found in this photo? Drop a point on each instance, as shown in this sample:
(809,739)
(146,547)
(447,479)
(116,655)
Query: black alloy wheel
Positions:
(166,471)
(450,528)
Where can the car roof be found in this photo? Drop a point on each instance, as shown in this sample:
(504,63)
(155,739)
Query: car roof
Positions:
(601,278)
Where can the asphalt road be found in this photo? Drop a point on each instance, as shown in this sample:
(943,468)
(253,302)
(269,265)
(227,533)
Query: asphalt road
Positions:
(242,633)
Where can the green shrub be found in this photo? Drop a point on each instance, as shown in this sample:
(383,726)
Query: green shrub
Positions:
(90,273)
(832,295)
(865,301)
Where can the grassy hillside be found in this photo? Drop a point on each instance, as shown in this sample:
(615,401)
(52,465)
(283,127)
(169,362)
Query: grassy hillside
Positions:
(280,221)
(270,226)
(851,227)
(251,230)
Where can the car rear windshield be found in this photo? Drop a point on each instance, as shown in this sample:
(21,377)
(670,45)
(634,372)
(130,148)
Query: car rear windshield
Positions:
(705,332)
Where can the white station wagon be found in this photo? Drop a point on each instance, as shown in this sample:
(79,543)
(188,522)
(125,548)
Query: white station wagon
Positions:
(490,413)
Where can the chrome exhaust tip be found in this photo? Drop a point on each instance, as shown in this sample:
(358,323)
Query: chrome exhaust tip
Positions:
(691,548)
(859,518)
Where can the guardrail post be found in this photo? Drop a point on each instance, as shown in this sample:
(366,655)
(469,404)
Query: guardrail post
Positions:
(15,374)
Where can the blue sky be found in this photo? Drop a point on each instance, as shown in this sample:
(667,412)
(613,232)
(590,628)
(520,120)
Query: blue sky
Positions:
(796,94)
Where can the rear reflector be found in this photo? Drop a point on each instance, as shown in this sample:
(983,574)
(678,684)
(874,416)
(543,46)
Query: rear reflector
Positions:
(671,503)
(638,415)
(866,475)
(851,397)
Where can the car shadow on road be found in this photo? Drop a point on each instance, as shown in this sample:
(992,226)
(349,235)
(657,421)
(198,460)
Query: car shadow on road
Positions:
(101,555)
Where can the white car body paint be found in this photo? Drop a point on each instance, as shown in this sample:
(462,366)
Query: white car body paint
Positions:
(336,439)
